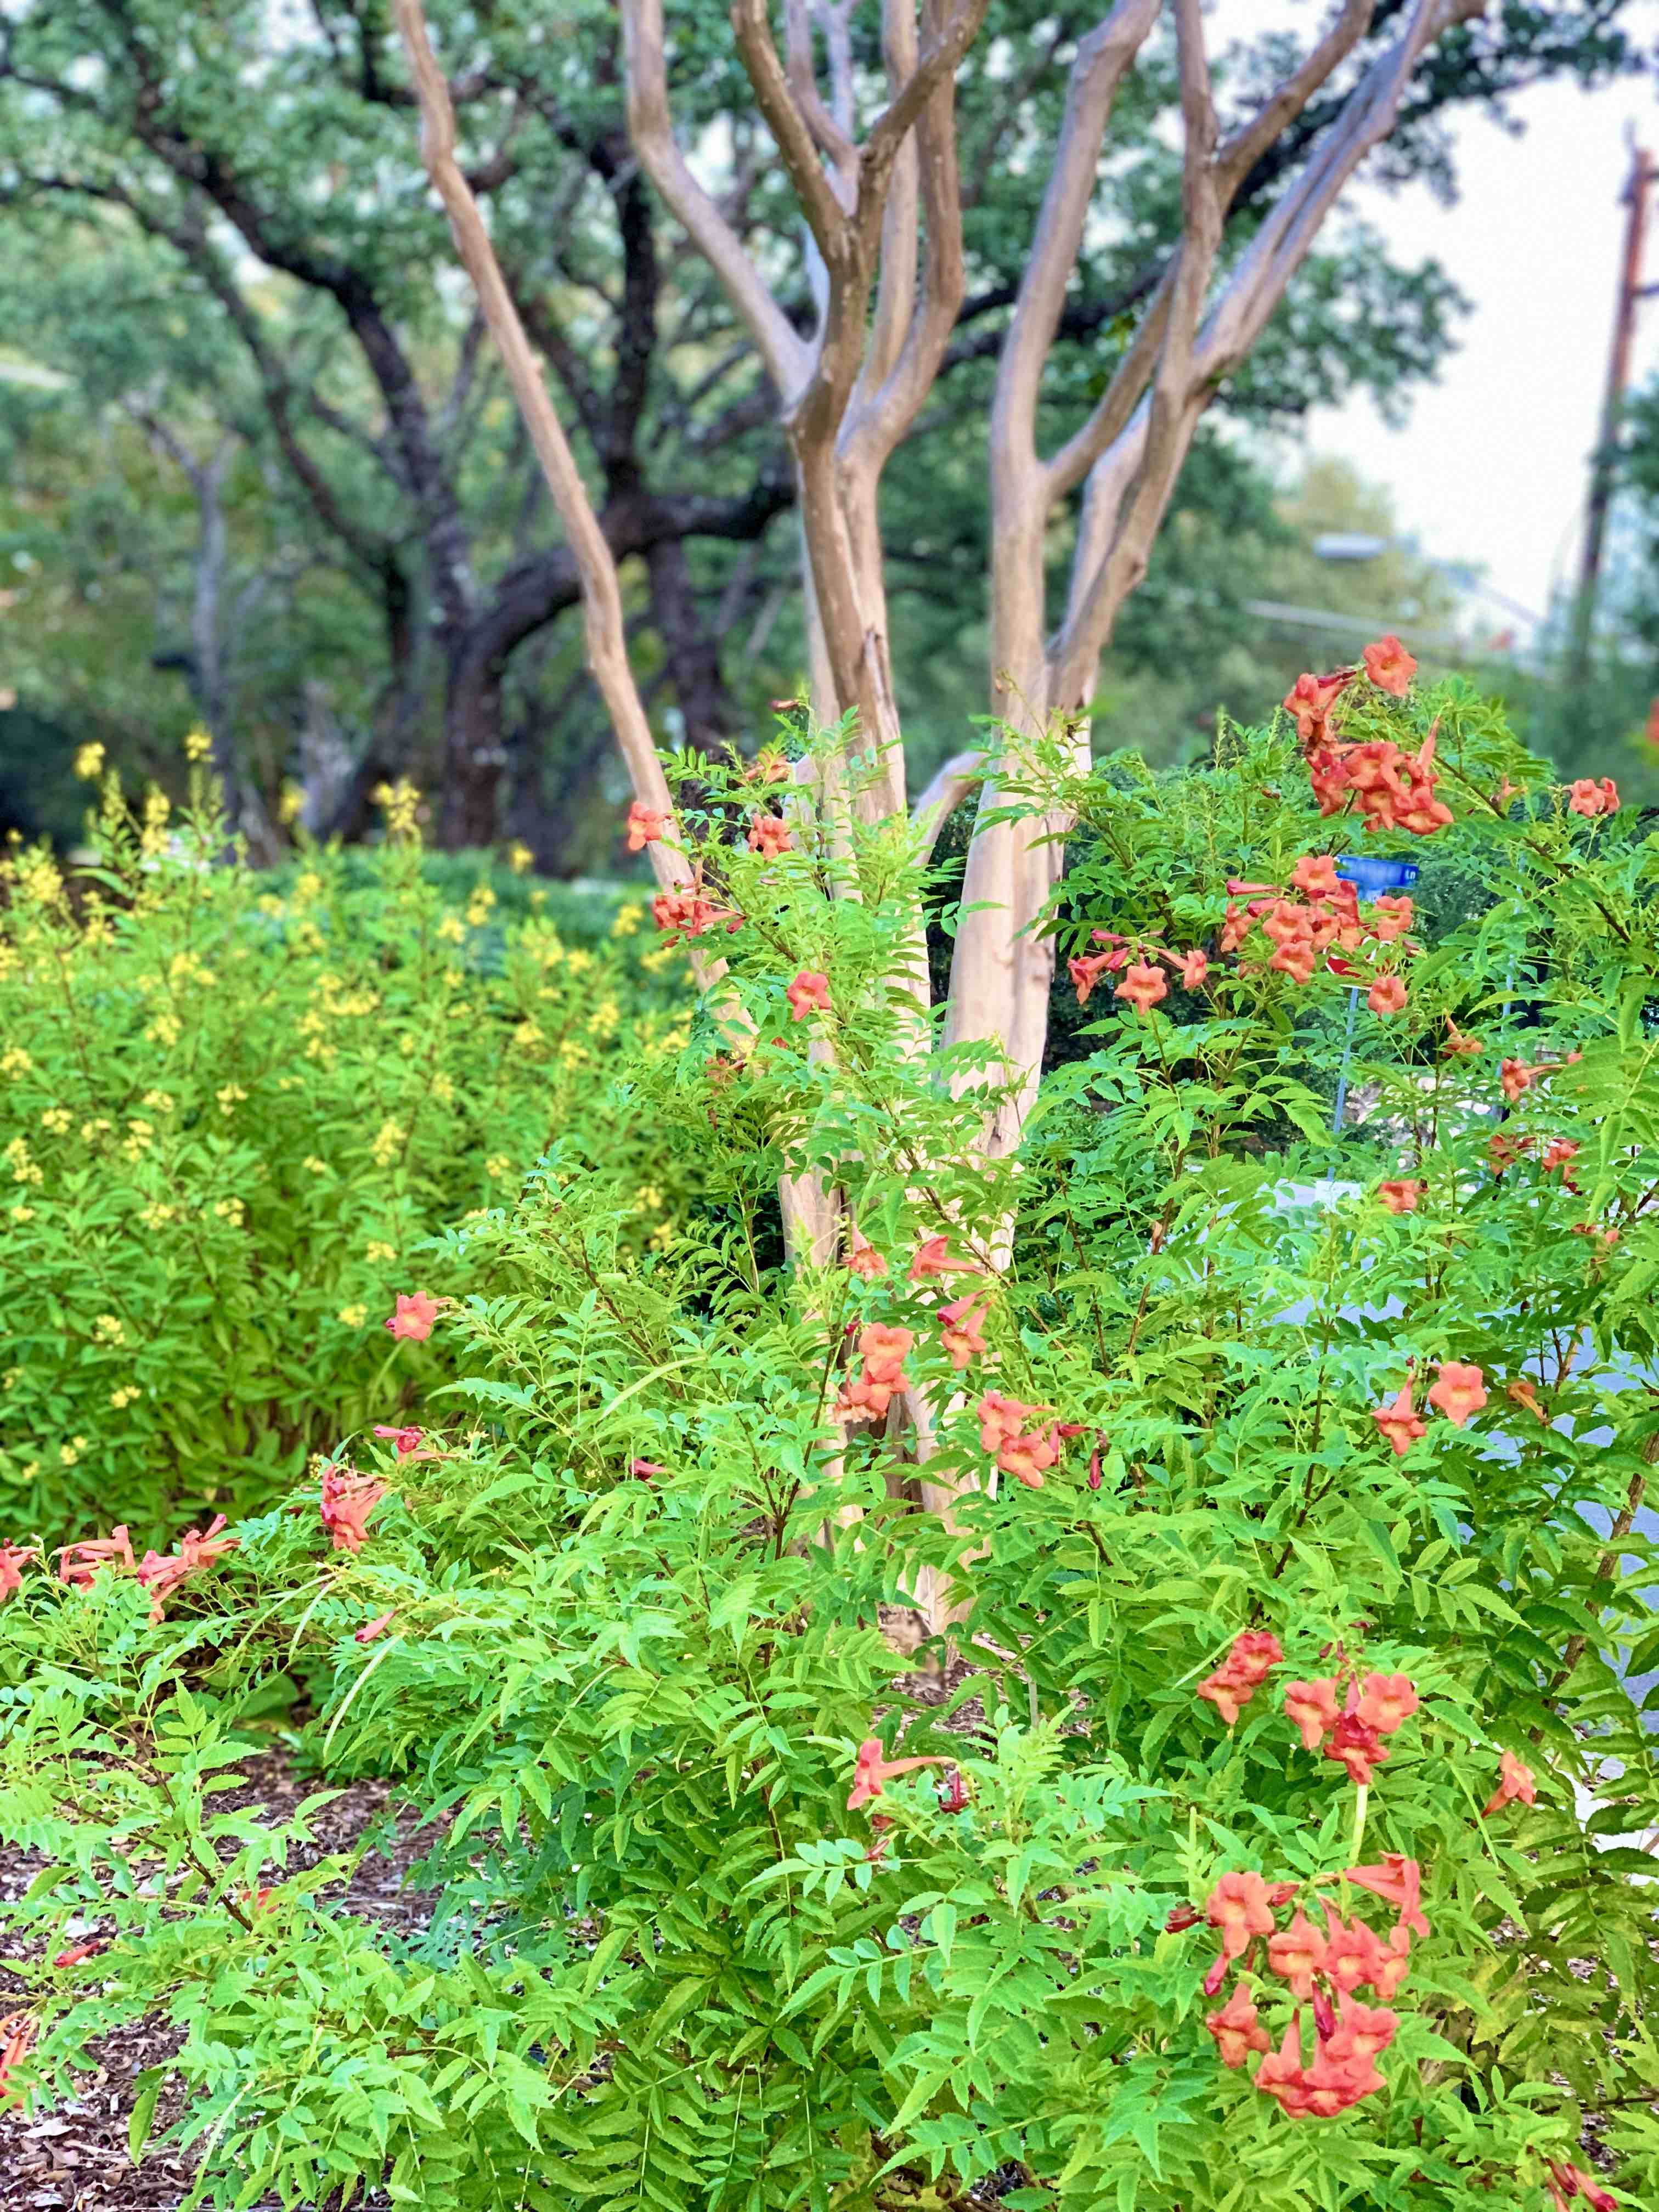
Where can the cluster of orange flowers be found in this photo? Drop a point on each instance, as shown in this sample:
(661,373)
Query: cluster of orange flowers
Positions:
(159,1573)
(1350,1730)
(1322,1968)
(1393,789)
(1459,1389)
(1323,922)
(345,1501)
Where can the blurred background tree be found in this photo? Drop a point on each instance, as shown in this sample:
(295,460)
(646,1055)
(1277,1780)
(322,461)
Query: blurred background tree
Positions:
(261,471)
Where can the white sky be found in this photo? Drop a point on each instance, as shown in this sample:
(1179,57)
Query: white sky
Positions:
(1490,466)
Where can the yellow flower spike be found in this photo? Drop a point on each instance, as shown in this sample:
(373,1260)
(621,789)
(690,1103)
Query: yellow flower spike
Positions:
(89,763)
(198,745)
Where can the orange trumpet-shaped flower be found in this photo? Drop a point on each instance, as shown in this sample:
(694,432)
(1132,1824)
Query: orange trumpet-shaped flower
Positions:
(1315,876)
(1399,1421)
(1459,1044)
(1313,1707)
(345,1503)
(932,1258)
(1297,1954)
(12,1557)
(1387,995)
(873,1768)
(1391,917)
(1001,1420)
(1310,698)
(1086,969)
(1515,1779)
(808,994)
(1389,666)
(1459,1390)
(1240,1906)
(1401,1195)
(1523,1392)
(884,1350)
(413,1316)
(645,826)
(1387,1701)
(1028,1458)
(1236,2028)
(962,1329)
(864,1259)
(1255,1652)
(1590,797)
(1398,1881)
(771,834)
(79,1562)
(1143,986)
(1568,2181)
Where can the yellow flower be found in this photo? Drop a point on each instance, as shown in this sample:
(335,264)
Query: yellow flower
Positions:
(578,962)
(648,1199)
(484,897)
(378,1253)
(156,1215)
(159,1102)
(128,1395)
(23,1168)
(69,1454)
(452,929)
(313,1165)
(478,911)
(270,905)
(520,858)
(605,1018)
(498,1167)
(89,764)
(574,1054)
(164,1030)
(58,1119)
(443,1090)
(229,1097)
(108,1329)
(538,900)
(22,1213)
(629,918)
(402,802)
(389,1141)
(663,1237)
(289,805)
(289,1082)
(529,1034)
(140,1137)
(14,1061)
(198,747)
(231,1210)
(27,1472)
(406,1044)
(307,885)
(9,1377)
(354,1316)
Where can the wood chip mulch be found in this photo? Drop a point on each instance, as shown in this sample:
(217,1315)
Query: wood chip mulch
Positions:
(75,2159)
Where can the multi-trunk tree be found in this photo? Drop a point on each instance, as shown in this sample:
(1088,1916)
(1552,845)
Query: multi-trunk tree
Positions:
(871,150)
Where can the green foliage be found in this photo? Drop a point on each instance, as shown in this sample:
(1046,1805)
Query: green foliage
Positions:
(638,1601)
(232,1111)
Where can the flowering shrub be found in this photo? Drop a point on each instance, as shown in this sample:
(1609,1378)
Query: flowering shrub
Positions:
(1253,1837)
(230,1115)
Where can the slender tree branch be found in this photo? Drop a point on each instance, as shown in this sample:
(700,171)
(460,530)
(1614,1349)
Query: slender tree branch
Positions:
(788,357)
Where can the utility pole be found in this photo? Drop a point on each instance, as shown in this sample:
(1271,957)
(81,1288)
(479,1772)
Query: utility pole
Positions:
(1635,200)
